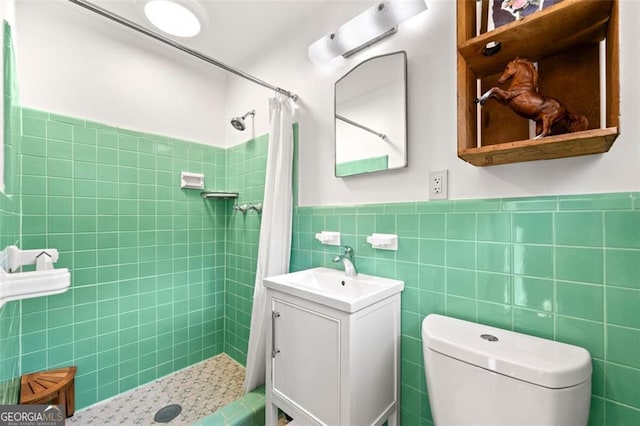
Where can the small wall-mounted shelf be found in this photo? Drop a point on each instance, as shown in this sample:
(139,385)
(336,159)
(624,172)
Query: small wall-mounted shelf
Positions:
(565,40)
(218,195)
(539,35)
(581,143)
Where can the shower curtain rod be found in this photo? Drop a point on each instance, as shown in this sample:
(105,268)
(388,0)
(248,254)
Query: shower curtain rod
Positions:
(362,126)
(130,24)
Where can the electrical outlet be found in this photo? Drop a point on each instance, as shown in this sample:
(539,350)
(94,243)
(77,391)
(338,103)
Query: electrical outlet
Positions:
(438,185)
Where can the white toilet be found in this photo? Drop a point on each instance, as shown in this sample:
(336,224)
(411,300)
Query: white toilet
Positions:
(480,375)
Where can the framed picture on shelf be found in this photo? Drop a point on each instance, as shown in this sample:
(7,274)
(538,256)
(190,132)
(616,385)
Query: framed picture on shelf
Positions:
(501,12)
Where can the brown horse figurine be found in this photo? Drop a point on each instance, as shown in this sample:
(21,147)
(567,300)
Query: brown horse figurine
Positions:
(523,98)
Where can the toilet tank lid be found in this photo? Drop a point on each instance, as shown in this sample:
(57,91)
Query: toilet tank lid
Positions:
(531,359)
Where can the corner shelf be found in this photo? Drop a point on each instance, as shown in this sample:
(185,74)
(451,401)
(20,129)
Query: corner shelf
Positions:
(564,40)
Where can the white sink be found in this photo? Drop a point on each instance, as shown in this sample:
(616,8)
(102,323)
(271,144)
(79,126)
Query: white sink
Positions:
(25,285)
(333,288)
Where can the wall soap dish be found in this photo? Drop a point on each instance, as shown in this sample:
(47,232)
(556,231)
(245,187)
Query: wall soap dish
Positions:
(191,180)
(383,241)
(329,238)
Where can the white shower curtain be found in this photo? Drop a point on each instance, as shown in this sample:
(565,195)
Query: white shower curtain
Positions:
(274,248)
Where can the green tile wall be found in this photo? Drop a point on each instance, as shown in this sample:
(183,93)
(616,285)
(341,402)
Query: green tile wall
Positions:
(9,352)
(162,279)
(147,258)
(246,166)
(10,225)
(563,268)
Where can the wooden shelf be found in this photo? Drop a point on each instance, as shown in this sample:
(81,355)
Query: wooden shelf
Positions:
(564,25)
(564,40)
(560,146)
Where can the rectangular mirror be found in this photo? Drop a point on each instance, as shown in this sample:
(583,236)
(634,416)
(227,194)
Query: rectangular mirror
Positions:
(371,116)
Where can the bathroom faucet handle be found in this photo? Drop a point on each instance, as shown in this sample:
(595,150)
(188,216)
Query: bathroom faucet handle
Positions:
(348,261)
(244,208)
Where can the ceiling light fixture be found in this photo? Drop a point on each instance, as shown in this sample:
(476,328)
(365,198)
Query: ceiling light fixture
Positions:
(371,26)
(172,17)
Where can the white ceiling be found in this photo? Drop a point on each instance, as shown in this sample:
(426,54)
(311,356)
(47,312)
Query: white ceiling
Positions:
(237,29)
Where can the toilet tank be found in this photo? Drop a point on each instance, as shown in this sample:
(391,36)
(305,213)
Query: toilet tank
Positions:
(481,375)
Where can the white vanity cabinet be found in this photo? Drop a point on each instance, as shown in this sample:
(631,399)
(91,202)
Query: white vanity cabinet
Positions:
(326,366)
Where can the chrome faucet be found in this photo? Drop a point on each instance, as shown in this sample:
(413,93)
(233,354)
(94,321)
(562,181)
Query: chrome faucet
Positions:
(347,259)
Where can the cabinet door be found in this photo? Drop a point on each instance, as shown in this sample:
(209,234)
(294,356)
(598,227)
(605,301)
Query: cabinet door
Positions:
(306,370)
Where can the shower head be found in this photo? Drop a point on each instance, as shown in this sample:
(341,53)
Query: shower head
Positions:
(238,122)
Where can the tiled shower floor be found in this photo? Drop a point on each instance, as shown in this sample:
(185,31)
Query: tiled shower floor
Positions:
(200,389)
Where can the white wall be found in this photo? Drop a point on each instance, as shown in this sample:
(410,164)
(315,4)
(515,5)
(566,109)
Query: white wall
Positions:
(74,62)
(429,40)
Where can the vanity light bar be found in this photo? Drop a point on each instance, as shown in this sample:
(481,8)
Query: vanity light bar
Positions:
(371,42)
(371,26)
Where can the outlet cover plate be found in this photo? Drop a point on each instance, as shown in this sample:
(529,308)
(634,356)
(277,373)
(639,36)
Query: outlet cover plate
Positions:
(439,185)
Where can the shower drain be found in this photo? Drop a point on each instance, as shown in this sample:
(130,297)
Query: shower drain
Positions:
(168,413)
